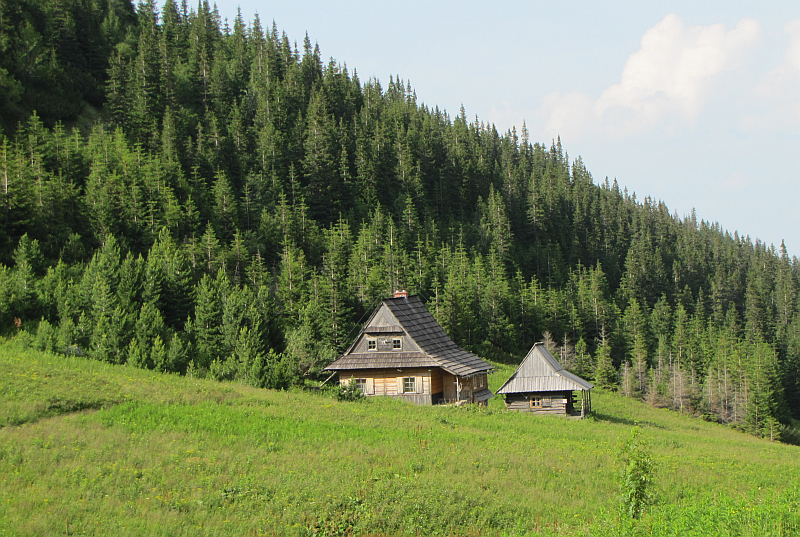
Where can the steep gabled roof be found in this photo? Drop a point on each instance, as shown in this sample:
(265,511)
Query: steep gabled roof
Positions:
(541,372)
(431,337)
(437,349)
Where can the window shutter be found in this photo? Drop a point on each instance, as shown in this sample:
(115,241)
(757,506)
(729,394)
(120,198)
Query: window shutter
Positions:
(418,382)
(370,386)
(399,385)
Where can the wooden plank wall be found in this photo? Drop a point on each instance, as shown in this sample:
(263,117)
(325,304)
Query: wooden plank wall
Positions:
(418,399)
(468,387)
(436,381)
(433,385)
(390,381)
(448,386)
(554,403)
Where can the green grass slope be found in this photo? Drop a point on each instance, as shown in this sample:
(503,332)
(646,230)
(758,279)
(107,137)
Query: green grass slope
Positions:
(90,448)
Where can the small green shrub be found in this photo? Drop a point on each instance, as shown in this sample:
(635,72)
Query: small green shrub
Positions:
(789,434)
(348,392)
(636,474)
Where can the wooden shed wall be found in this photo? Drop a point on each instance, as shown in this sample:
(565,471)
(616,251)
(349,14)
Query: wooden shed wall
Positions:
(552,403)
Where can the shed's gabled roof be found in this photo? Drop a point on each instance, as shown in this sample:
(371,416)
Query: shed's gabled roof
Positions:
(541,372)
(437,349)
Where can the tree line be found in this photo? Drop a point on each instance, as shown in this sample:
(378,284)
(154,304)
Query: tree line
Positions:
(219,201)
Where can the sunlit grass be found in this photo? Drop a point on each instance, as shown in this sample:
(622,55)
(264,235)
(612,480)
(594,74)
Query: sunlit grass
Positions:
(151,454)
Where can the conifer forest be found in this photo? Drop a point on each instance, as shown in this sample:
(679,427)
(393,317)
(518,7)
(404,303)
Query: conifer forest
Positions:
(212,198)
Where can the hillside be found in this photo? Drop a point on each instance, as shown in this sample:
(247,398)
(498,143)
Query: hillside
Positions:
(234,206)
(99,449)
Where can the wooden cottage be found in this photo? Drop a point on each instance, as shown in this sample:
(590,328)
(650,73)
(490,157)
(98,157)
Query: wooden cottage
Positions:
(403,352)
(541,385)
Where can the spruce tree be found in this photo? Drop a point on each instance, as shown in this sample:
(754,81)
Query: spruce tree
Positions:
(605,375)
(205,327)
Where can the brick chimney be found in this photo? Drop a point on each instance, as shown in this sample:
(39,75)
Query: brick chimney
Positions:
(401,294)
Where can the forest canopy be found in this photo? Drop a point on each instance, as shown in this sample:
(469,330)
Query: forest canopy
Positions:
(201,196)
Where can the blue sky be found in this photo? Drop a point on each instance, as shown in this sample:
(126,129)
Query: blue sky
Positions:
(693,103)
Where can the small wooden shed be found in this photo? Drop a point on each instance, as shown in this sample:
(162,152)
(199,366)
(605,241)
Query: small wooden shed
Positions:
(403,352)
(541,385)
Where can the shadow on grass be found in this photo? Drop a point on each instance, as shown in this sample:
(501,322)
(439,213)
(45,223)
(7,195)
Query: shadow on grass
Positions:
(55,407)
(600,416)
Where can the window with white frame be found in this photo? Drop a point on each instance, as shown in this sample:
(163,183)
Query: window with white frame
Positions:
(397,344)
(409,385)
(372,344)
(361,385)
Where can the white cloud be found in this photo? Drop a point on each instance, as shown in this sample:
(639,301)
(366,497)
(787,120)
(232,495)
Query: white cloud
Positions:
(780,89)
(785,75)
(665,83)
(568,114)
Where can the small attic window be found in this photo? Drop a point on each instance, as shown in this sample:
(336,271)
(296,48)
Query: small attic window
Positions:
(397,344)
(372,344)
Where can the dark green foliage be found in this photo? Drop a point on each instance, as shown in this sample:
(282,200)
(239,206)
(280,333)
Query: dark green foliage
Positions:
(605,375)
(206,327)
(276,371)
(241,206)
(54,56)
(348,392)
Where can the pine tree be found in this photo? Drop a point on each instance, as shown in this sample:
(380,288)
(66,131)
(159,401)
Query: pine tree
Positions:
(605,376)
(640,365)
(319,162)
(495,226)
(149,327)
(626,387)
(23,301)
(236,313)
(205,327)
(335,263)
(584,362)
(210,252)
(177,354)
(106,336)
(226,217)
(292,290)
(158,355)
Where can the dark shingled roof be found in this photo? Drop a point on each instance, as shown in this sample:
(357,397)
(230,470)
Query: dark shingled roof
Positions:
(438,350)
(382,360)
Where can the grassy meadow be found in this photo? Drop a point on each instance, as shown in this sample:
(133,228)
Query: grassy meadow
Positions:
(91,448)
